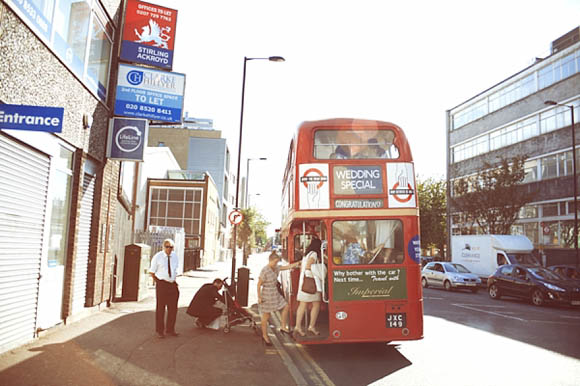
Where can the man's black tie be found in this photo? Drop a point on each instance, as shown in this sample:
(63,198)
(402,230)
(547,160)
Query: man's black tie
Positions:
(169,265)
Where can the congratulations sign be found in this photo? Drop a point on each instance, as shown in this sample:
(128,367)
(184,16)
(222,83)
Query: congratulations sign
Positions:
(149,34)
(369,284)
(358,180)
(151,94)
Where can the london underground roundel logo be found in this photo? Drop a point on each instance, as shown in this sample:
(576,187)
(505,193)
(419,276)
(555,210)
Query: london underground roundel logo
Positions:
(313,175)
(406,193)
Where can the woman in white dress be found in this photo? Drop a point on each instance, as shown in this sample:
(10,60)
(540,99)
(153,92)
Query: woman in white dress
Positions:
(313,253)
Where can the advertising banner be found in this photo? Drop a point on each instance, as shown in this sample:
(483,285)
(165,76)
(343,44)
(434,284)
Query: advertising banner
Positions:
(369,284)
(353,180)
(127,139)
(401,183)
(149,34)
(313,188)
(32,118)
(152,94)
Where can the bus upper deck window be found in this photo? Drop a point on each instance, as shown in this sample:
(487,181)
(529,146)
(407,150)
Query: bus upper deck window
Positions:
(355,144)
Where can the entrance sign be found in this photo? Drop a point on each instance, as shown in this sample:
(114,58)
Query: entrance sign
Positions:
(127,139)
(149,34)
(152,94)
(32,118)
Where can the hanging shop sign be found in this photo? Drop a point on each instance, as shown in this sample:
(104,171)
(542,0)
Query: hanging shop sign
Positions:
(149,34)
(147,93)
(31,118)
(127,139)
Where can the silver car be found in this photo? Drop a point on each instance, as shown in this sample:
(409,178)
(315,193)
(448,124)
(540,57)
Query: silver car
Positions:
(449,276)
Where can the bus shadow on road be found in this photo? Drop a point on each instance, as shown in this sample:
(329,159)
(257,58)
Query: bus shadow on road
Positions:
(358,363)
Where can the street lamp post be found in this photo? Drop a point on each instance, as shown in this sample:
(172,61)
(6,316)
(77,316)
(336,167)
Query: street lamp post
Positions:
(272,59)
(553,103)
(248,177)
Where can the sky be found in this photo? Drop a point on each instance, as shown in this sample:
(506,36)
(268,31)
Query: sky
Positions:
(405,62)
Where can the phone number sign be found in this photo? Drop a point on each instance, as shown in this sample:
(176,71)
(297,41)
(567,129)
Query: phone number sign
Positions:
(147,93)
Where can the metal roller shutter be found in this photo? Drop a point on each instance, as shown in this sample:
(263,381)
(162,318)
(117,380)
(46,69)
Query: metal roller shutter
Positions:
(23,198)
(83,241)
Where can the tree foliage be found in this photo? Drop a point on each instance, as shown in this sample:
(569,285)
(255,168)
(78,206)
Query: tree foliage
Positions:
(432,210)
(493,198)
(252,229)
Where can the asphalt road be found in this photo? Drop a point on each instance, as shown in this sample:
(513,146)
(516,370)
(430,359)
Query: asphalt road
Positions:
(469,339)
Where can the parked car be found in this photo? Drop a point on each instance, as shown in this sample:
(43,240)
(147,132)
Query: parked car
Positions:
(567,271)
(449,276)
(538,284)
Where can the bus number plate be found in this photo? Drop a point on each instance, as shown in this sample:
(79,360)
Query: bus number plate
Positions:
(396,320)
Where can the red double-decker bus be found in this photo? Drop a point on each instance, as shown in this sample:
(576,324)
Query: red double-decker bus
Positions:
(351,183)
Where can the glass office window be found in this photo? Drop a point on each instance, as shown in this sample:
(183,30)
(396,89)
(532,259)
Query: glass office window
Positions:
(549,167)
(99,59)
(568,65)
(60,212)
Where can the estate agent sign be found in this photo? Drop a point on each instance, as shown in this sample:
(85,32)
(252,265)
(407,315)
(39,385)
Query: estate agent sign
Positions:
(147,93)
(149,34)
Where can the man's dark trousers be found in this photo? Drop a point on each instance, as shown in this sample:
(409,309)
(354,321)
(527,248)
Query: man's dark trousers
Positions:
(167,296)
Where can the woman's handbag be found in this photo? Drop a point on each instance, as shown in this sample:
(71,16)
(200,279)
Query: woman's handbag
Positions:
(308,285)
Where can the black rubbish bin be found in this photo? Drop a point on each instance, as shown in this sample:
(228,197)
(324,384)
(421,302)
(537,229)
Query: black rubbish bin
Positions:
(136,271)
(242,286)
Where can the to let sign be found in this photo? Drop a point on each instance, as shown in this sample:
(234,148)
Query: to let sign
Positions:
(147,93)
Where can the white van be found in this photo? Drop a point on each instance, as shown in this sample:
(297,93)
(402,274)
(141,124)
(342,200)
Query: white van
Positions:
(482,254)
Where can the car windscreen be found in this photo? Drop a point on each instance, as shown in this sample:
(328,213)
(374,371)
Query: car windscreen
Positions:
(460,268)
(523,258)
(542,273)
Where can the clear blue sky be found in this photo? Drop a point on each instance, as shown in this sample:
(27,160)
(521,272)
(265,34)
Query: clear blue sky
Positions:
(404,62)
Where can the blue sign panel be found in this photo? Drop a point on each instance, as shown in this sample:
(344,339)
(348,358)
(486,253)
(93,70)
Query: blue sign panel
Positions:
(32,118)
(152,94)
(153,56)
(127,139)
(352,180)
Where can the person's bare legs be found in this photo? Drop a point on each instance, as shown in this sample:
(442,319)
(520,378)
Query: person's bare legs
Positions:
(264,323)
(313,317)
(299,316)
(284,325)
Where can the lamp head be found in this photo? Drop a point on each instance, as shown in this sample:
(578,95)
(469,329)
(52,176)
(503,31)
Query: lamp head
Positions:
(550,103)
(276,59)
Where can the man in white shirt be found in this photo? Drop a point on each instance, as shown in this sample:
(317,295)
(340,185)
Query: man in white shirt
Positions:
(164,266)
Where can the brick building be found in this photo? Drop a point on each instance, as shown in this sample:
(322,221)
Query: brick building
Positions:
(61,218)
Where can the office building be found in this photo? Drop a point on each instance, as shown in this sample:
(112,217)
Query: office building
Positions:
(511,118)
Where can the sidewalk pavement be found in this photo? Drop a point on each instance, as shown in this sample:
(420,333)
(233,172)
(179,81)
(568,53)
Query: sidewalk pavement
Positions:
(118,346)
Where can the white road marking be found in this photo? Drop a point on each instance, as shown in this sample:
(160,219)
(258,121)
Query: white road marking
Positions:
(488,312)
